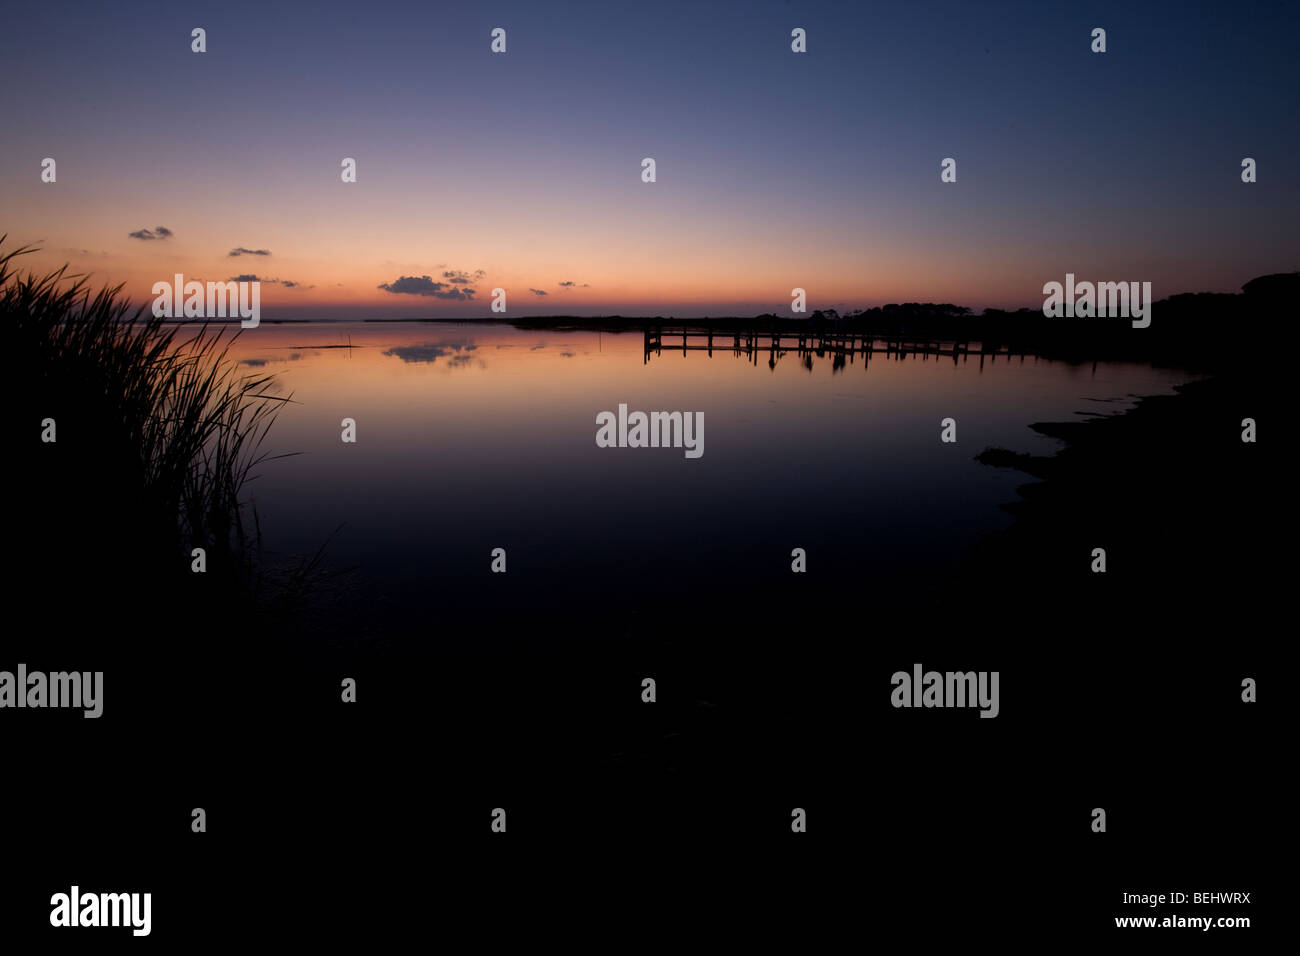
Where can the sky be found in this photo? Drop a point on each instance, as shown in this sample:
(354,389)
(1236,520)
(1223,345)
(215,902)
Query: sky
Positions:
(774,169)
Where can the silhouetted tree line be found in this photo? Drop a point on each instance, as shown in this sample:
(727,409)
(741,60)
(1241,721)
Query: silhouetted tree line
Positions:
(1195,329)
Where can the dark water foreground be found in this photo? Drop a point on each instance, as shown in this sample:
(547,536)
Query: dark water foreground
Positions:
(1118,690)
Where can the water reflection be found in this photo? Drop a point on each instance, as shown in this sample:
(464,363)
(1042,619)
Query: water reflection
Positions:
(457,354)
(503,453)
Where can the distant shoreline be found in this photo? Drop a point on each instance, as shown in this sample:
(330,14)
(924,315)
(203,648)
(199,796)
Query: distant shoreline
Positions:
(1202,331)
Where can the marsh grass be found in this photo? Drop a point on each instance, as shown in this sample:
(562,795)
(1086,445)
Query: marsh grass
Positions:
(158,430)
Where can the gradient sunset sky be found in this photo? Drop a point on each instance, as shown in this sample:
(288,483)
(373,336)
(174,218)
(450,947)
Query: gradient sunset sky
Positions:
(775,169)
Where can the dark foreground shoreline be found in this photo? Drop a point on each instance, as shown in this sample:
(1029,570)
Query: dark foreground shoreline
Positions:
(1171,492)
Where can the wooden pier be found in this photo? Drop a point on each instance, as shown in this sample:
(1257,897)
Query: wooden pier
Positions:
(841,347)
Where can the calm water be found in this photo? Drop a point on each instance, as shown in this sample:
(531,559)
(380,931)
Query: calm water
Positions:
(472,437)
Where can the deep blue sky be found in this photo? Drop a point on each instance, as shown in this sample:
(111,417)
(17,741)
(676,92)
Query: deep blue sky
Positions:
(775,169)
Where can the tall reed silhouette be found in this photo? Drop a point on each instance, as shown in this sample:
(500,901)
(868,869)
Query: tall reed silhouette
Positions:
(156,430)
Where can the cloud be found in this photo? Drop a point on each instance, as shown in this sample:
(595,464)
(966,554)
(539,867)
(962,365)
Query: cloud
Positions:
(287,283)
(241,251)
(424,285)
(159,232)
(537,292)
(461,277)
